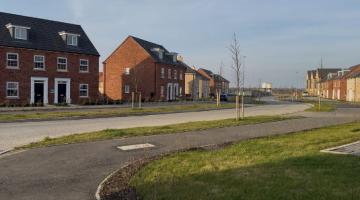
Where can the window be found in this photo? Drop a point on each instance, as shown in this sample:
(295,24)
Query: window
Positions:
(169,73)
(181,75)
(162,73)
(61,64)
(84,65)
(39,62)
(72,39)
(127,71)
(161,91)
(12,89)
(127,89)
(175,74)
(84,90)
(12,60)
(20,33)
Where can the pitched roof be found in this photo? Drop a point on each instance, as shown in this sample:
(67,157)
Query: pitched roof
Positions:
(44,35)
(216,77)
(148,46)
(192,71)
(323,72)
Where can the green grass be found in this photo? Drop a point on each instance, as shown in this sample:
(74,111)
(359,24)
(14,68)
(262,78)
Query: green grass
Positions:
(325,106)
(279,167)
(106,112)
(155,130)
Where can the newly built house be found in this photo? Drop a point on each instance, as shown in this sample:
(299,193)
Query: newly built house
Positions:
(139,67)
(45,62)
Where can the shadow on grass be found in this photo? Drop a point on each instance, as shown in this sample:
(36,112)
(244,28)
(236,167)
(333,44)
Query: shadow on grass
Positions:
(317,176)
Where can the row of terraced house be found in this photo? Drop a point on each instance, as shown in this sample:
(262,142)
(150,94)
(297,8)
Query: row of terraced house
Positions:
(50,62)
(335,83)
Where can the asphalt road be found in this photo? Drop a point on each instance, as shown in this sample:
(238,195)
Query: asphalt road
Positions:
(73,172)
(20,133)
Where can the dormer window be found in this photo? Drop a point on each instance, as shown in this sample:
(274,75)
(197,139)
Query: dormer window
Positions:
(18,32)
(174,56)
(70,38)
(159,51)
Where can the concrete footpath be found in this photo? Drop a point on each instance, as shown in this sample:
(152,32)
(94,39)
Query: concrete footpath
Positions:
(21,133)
(73,172)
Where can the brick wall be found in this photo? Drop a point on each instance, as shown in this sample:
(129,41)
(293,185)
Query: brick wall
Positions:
(26,71)
(144,77)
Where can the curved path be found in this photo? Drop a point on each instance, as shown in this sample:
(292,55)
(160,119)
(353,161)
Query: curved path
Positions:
(20,133)
(74,171)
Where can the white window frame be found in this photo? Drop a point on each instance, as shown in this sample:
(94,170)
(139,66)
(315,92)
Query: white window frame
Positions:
(66,64)
(82,90)
(169,74)
(162,73)
(127,89)
(17,89)
(81,65)
(20,33)
(17,61)
(127,71)
(43,62)
(72,39)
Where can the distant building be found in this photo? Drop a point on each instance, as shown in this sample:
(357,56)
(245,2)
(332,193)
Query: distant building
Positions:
(144,68)
(266,87)
(217,82)
(196,84)
(315,77)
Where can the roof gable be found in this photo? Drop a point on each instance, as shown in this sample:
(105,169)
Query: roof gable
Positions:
(44,35)
(149,46)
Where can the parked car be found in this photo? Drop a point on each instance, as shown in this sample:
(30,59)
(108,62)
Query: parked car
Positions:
(223,97)
(305,94)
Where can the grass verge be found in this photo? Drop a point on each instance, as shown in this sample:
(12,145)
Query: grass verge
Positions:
(278,167)
(326,106)
(106,112)
(155,130)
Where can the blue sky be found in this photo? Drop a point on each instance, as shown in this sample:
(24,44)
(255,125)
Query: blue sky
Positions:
(281,38)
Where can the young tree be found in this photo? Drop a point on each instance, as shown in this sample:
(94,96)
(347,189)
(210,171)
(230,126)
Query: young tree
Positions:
(234,49)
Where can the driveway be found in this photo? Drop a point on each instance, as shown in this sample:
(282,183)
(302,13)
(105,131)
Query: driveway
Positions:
(73,172)
(20,133)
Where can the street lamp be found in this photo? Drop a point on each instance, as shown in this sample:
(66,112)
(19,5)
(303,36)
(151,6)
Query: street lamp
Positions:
(243,91)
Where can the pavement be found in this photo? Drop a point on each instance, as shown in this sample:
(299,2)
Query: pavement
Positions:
(21,133)
(73,172)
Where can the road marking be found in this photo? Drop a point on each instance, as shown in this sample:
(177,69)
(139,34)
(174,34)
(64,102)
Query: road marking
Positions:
(135,146)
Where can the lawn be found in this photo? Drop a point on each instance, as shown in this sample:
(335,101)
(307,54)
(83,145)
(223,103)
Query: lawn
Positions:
(106,112)
(279,167)
(156,130)
(325,106)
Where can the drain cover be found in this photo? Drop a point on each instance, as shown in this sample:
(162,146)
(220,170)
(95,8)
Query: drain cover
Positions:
(352,148)
(135,146)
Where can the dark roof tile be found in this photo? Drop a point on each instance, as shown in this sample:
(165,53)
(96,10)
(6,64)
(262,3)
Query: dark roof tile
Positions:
(44,35)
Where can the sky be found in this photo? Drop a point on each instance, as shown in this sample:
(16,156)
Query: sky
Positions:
(281,39)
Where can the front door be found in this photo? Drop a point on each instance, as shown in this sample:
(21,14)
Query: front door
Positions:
(39,92)
(61,92)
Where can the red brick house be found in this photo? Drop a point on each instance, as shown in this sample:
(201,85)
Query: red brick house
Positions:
(45,62)
(339,85)
(217,82)
(144,67)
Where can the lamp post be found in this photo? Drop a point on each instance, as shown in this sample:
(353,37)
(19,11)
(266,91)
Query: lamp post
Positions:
(243,91)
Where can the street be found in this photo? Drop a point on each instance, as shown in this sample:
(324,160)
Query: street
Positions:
(17,134)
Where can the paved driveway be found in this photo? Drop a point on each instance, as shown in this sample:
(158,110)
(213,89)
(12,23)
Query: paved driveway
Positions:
(73,172)
(16,134)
